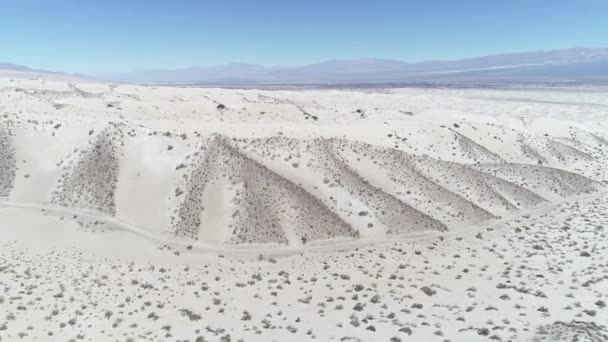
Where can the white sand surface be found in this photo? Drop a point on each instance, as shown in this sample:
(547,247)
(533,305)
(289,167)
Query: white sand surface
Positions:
(163,213)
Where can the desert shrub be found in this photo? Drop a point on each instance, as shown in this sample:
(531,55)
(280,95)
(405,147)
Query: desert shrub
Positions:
(483,331)
(428,291)
(190,314)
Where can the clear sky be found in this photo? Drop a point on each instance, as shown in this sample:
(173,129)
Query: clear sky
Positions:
(110,35)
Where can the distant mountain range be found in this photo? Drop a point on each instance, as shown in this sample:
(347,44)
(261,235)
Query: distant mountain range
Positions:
(9,67)
(576,65)
(13,67)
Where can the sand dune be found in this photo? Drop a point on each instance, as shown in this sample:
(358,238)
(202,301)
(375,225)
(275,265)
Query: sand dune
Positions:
(288,191)
(215,176)
(193,214)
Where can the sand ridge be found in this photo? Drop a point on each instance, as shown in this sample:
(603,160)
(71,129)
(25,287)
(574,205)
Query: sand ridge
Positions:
(133,213)
(294,181)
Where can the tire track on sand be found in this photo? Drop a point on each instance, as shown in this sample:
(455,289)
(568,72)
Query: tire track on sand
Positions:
(253,250)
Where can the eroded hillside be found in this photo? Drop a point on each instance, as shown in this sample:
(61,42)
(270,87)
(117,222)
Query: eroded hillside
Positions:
(238,168)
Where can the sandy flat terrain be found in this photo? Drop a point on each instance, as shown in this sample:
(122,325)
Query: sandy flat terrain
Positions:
(194,214)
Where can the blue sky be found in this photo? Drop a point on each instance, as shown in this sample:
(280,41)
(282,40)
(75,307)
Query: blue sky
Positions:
(98,36)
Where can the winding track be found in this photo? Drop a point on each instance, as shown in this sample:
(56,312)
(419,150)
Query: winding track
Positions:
(257,249)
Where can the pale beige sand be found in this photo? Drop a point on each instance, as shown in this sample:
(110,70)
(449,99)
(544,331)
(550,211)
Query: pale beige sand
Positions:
(143,201)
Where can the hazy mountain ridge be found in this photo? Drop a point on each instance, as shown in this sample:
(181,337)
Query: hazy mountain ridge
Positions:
(7,68)
(13,67)
(566,65)
(577,64)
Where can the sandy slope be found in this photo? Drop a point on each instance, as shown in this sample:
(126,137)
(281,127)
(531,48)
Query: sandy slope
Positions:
(125,199)
(514,282)
(292,167)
